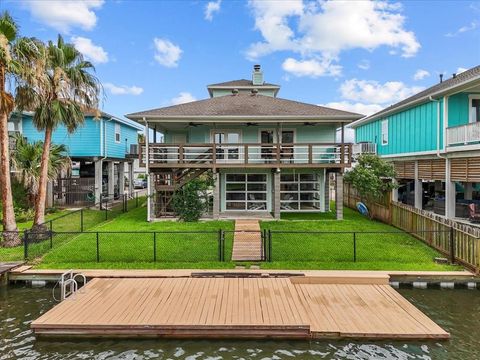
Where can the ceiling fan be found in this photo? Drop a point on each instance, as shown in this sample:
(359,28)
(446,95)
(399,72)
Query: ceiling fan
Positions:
(251,124)
(309,123)
(192,124)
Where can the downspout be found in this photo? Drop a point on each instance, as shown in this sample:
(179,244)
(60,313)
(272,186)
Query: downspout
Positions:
(438,125)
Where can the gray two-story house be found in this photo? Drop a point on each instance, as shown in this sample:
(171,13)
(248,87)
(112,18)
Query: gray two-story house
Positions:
(267,154)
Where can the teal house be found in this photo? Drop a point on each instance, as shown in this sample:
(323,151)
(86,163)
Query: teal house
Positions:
(433,138)
(100,150)
(267,154)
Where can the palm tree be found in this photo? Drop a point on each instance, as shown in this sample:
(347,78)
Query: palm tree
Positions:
(27,158)
(16,56)
(63,88)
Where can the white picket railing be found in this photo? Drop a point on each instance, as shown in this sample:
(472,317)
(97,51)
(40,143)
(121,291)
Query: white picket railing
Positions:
(463,134)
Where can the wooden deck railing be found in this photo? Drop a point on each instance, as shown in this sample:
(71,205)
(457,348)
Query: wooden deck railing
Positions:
(463,134)
(252,155)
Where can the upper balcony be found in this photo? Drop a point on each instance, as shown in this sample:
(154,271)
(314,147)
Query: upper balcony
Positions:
(464,134)
(295,155)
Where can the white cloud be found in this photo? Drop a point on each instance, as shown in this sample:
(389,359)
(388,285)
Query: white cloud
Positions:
(370,91)
(123,89)
(420,74)
(327,28)
(472,26)
(461,69)
(92,52)
(364,65)
(359,108)
(182,98)
(167,53)
(63,15)
(313,68)
(211,8)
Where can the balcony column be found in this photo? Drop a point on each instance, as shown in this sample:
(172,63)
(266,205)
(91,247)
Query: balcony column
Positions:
(339,195)
(121,178)
(450,193)
(418,189)
(216,195)
(276,195)
(98,179)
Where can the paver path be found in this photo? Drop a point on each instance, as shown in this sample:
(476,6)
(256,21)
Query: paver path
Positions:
(247,241)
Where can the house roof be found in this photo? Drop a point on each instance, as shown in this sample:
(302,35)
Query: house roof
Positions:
(240,83)
(127,122)
(244,106)
(453,84)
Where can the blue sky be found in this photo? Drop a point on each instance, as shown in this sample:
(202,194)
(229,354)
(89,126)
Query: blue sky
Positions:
(359,56)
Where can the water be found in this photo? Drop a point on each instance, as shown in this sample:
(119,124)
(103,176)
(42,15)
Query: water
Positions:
(458,311)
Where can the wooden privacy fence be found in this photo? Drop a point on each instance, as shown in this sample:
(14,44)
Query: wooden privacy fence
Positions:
(379,211)
(437,232)
(452,238)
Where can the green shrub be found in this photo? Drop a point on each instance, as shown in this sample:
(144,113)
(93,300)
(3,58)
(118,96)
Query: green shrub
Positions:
(190,201)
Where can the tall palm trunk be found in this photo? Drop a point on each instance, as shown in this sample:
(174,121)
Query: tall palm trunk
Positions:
(9,225)
(42,182)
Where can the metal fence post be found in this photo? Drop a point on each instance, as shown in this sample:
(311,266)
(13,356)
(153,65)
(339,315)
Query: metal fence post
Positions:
(136,199)
(354,247)
(98,249)
(81,220)
(154,247)
(220,245)
(270,245)
(51,234)
(25,244)
(452,245)
(106,210)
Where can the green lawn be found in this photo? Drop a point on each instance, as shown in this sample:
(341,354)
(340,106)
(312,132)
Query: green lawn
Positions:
(377,250)
(183,248)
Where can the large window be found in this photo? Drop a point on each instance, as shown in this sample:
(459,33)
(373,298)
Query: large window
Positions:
(117,133)
(300,192)
(246,192)
(474,109)
(385,132)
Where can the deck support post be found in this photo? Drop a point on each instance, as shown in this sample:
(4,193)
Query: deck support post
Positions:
(418,189)
(111,177)
(49,198)
(326,176)
(98,179)
(130,178)
(339,195)
(121,178)
(468,186)
(395,191)
(450,194)
(276,194)
(216,195)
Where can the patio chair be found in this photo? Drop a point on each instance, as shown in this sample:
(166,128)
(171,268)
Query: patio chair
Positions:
(286,205)
(255,206)
(474,216)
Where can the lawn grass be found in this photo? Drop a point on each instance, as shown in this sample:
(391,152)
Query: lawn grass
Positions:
(383,248)
(174,244)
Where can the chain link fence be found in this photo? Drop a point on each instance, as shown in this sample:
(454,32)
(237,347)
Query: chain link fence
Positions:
(354,246)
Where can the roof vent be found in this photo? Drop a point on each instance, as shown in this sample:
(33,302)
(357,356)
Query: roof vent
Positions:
(234,92)
(256,67)
(254,92)
(454,75)
(441,78)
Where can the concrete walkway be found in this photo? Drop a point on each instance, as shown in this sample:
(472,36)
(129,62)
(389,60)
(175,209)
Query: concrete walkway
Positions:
(247,241)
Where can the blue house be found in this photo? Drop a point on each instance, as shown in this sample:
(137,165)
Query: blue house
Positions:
(99,149)
(433,138)
(267,154)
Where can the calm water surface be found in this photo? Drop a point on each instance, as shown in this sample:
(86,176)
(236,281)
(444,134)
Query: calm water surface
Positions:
(458,311)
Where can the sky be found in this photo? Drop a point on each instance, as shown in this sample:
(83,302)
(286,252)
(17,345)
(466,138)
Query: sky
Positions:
(359,56)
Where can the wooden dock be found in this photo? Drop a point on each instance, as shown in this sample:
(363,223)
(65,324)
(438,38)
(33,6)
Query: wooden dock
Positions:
(240,307)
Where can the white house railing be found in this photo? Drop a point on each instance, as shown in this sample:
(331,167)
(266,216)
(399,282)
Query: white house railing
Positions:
(364,148)
(463,134)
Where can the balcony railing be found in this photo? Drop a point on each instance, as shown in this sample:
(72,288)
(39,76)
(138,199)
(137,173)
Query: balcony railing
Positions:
(464,134)
(253,155)
(364,148)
